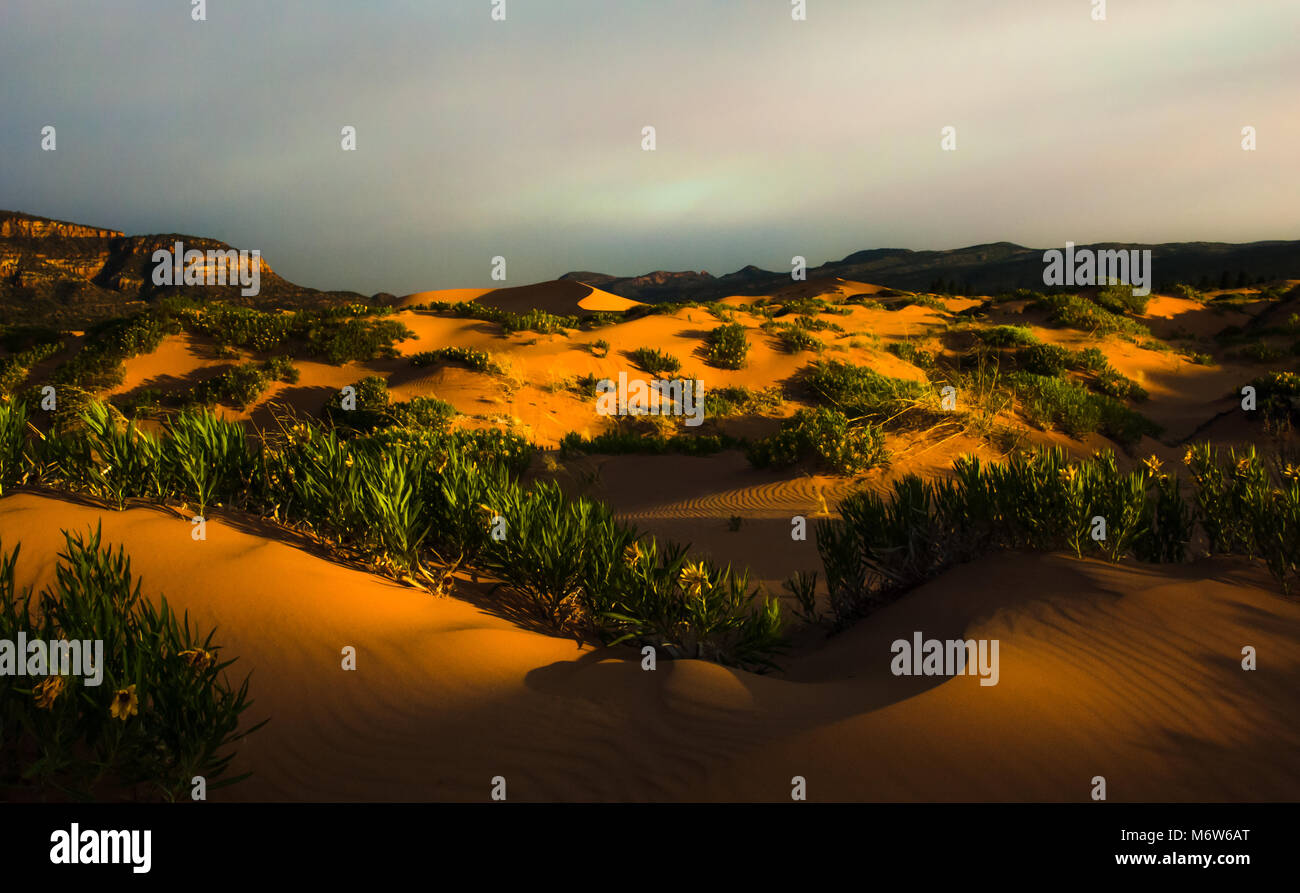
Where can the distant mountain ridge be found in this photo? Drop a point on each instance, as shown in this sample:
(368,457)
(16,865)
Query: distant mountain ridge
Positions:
(978,269)
(73,274)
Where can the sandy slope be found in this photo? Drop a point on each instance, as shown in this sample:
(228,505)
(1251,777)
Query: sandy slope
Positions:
(560,296)
(1128,672)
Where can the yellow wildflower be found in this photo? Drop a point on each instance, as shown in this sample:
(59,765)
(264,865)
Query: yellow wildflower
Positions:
(694,578)
(197,657)
(48,691)
(125,704)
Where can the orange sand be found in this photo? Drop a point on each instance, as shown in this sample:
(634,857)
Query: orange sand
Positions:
(1130,672)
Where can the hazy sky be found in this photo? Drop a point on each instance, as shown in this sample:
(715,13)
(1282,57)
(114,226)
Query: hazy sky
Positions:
(522,138)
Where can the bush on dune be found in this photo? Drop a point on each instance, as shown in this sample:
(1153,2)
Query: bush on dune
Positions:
(727,346)
(824,436)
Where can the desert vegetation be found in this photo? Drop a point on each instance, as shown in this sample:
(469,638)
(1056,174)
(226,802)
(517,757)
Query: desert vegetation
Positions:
(418,504)
(162,710)
(727,346)
(1230,502)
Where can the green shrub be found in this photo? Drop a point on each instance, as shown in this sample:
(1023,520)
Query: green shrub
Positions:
(335,335)
(917,300)
(1277,396)
(1119,298)
(15,368)
(372,409)
(240,386)
(428,413)
(1044,359)
(1008,336)
(825,436)
(1091,359)
(727,346)
(1119,386)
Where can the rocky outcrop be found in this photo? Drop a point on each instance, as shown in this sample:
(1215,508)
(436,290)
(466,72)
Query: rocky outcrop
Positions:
(14,225)
(73,274)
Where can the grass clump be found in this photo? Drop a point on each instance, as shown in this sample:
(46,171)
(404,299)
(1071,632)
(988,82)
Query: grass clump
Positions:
(1055,402)
(796,338)
(862,393)
(1044,359)
(909,352)
(477,360)
(888,543)
(732,400)
(655,361)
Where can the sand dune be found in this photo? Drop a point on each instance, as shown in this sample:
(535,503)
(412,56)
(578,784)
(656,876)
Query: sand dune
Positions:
(443,295)
(1130,672)
(561,296)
